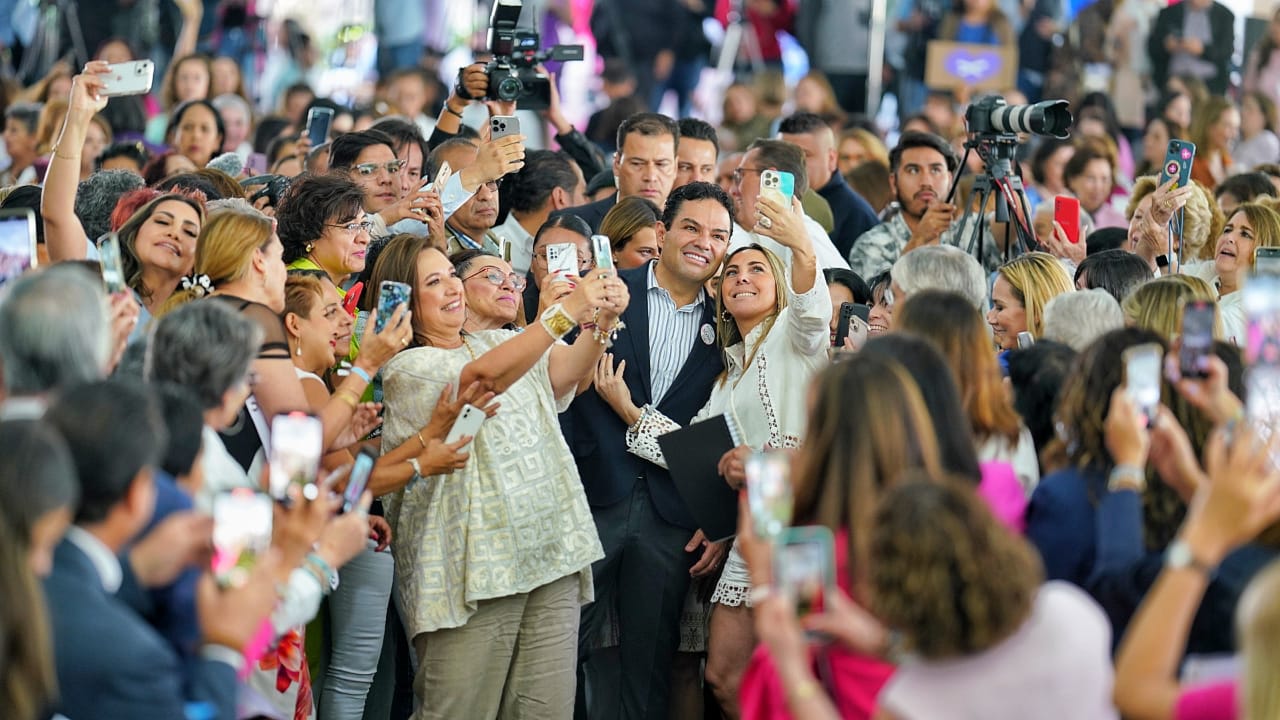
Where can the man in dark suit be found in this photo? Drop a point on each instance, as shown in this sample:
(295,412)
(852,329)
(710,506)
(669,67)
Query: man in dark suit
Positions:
(1195,38)
(110,663)
(853,215)
(651,542)
(645,165)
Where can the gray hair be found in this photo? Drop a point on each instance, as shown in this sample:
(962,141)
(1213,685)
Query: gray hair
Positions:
(237,205)
(942,267)
(1078,318)
(97,195)
(55,330)
(204,346)
(227,100)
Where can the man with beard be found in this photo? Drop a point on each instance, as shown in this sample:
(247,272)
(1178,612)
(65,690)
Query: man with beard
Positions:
(920,172)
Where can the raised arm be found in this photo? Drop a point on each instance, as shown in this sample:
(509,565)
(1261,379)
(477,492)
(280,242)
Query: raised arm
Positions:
(64,235)
(809,319)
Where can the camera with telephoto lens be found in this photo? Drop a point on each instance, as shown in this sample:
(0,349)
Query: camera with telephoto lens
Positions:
(991,115)
(513,73)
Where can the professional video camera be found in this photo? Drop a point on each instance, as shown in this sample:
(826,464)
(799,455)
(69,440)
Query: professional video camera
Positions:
(513,73)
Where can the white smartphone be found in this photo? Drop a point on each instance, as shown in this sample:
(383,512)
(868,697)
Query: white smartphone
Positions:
(769,494)
(504,248)
(128,78)
(470,418)
(562,259)
(442,178)
(241,534)
(17,243)
(296,440)
(778,185)
(602,249)
(501,126)
(1142,365)
(109,258)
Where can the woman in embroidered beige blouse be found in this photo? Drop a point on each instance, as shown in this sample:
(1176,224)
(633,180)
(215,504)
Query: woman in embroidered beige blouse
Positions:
(775,337)
(494,559)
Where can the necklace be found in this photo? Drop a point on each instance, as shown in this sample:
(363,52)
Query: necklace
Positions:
(467,345)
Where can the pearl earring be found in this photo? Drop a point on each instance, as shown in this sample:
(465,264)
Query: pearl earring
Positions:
(299,352)
(310,247)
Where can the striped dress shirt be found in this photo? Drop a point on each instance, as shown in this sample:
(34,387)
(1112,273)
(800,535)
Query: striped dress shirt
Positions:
(672,332)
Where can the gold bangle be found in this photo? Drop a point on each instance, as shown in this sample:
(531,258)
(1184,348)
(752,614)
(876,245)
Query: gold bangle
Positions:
(347,397)
(805,690)
(421,442)
(66,157)
(557,322)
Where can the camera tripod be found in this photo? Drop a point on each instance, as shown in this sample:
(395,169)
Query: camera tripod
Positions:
(1011,206)
(738,36)
(46,44)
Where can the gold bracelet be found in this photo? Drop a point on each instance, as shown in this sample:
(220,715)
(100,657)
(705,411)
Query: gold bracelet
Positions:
(557,322)
(421,442)
(805,690)
(347,397)
(67,157)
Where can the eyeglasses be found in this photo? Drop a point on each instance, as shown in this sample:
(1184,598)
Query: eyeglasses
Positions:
(495,276)
(737,173)
(493,185)
(355,227)
(367,169)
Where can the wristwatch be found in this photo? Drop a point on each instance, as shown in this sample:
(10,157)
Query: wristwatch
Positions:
(1178,556)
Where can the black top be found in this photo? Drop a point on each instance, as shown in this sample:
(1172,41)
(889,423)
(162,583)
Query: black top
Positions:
(242,439)
(592,213)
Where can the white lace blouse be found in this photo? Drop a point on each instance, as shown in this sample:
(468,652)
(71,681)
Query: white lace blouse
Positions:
(765,399)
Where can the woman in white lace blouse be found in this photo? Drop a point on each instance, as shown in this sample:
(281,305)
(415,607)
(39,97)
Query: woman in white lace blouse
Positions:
(493,560)
(774,326)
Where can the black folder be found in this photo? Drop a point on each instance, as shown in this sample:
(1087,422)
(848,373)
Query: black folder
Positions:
(692,455)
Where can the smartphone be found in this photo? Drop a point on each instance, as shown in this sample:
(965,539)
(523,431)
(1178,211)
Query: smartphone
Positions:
(602,250)
(17,243)
(241,534)
(562,259)
(1198,317)
(769,493)
(1262,354)
(1066,212)
(359,479)
(804,566)
(1266,261)
(1025,340)
(256,164)
(779,185)
(849,314)
(504,248)
(318,121)
(296,440)
(352,298)
(470,418)
(501,126)
(1177,162)
(128,78)
(391,295)
(442,178)
(109,258)
(1142,365)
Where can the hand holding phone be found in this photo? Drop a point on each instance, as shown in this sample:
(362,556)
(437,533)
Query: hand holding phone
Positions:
(805,567)
(1198,318)
(1177,163)
(359,479)
(769,494)
(442,178)
(296,446)
(391,295)
(127,78)
(562,259)
(17,243)
(848,320)
(241,534)
(112,267)
(602,250)
(318,121)
(470,418)
(1142,364)
(1066,212)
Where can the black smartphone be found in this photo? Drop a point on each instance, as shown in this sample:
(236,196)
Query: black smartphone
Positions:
(318,121)
(1197,338)
(848,311)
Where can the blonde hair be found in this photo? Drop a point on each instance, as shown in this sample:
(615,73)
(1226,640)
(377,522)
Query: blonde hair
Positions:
(1202,218)
(225,248)
(873,145)
(1258,623)
(1036,278)
(1157,305)
(1265,223)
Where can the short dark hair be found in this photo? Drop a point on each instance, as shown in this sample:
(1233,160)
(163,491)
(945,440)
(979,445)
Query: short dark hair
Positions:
(696,191)
(114,429)
(1245,187)
(1037,375)
(26,113)
(403,133)
(184,418)
(190,181)
(135,151)
(277,145)
(175,119)
(784,156)
(544,170)
(568,221)
(915,139)
(1104,239)
(1117,271)
(344,149)
(28,197)
(850,279)
(802,123)
(650,125)
(698,130)
(36,477)
(310,202)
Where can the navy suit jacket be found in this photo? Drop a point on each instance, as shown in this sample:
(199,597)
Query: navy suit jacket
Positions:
(597,436)
(111,665)
(593,213)
(853,215)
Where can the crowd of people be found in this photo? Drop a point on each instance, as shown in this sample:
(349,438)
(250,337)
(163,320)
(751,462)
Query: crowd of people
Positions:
(1014,515)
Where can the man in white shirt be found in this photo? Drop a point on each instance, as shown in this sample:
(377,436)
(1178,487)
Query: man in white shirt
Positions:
(782,156)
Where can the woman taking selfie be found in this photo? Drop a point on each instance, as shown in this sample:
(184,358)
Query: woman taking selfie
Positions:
(523,568)
(775,335)
(1251,226)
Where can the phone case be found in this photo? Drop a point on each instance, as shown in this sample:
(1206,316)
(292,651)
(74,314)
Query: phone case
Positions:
(318,121)
(769,494)
(109,258)
(1177,162)
(779,185)
(391,295)
(470,418)
(241,533)
(805,566)
(17,243)
(296,440)
(501,126)
(359,479)
(128,78)
(442,178)
(562,259)
(602,250)
(1066,212)
(1025,340)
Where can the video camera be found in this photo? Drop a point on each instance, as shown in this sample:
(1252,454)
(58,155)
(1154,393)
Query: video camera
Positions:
(991,115)
(513,74)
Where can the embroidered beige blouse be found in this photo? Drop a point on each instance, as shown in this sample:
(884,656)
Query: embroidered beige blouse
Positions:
(513,519)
